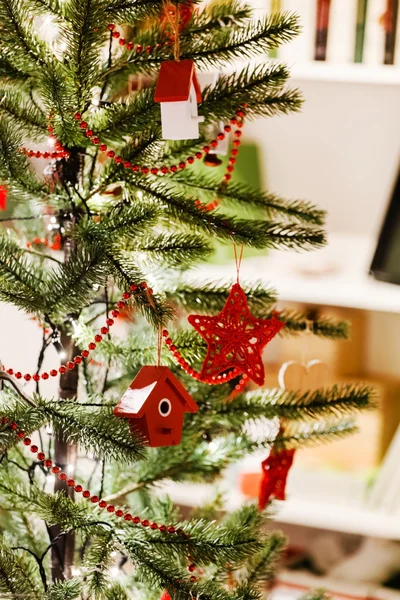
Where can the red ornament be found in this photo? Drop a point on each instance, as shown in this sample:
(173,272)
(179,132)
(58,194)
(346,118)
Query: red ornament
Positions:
(165,596)
(3,197)
(155,404)
(235,338)
(178,92)
(275,470)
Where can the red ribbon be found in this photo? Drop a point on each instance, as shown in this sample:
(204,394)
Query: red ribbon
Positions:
(3,197)
(275,470)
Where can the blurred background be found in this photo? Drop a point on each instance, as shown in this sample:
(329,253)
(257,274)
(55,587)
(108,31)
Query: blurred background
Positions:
(342,153)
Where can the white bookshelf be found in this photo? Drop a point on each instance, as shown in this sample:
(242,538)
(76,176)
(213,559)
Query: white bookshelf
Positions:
(345,73)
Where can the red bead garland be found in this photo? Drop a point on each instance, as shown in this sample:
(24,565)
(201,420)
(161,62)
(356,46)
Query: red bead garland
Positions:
(38,154)
(58,153)
(131,46)
(153,170)
(70,482)
(237,121)
(239,387)
(70,365)
(217,380)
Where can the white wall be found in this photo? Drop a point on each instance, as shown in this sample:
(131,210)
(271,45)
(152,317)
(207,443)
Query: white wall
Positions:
(341,152)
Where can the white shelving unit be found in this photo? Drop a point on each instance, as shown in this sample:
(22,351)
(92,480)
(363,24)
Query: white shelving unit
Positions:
(346,73)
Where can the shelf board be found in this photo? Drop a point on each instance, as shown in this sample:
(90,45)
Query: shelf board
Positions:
(336,275)
(338,517)
(346,73)
(356,520)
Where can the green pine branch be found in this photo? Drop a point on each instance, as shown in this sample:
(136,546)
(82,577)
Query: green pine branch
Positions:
(325,327)
(256,38)
(20,45)
(24,115)
(137,114)
(83,39)
(11,76)
(69,286)
(97,563)
(252,87)
(46,7)
(132,10)
(255,234)
(218,46)
(230,541)
(125,271)
(173,249)
(217,416)
(261,567)
(59,98)
(303,435)
(64,590)
(210,297)
(95,429)
(218,15)
(138,349)
(118,226)
(14,167)
(241,195)
(21,280)
(17,574)
(188,463)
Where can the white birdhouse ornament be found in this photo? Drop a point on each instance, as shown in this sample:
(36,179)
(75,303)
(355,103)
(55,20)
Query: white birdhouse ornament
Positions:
(178,93)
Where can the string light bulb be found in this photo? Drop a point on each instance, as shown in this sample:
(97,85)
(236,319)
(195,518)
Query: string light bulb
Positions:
(58,346)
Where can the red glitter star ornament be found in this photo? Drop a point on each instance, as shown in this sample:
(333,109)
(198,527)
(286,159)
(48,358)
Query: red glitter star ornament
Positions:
(275,470)
(235,338)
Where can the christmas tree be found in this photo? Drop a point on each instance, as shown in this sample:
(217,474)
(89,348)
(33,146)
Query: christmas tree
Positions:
(99,240)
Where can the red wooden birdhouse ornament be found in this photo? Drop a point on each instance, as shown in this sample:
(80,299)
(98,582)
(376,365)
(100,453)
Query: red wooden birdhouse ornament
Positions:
(178,92)
(155,404)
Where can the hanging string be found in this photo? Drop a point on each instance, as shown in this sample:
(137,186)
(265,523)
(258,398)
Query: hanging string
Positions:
(305,345)
(174,23)
(159,345)
(238,258)
(177,41)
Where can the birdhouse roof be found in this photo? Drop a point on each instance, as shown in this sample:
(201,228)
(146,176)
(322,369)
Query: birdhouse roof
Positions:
(151,381)
(174,81)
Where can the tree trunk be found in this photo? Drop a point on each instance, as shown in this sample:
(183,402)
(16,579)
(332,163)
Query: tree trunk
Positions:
(65,454)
